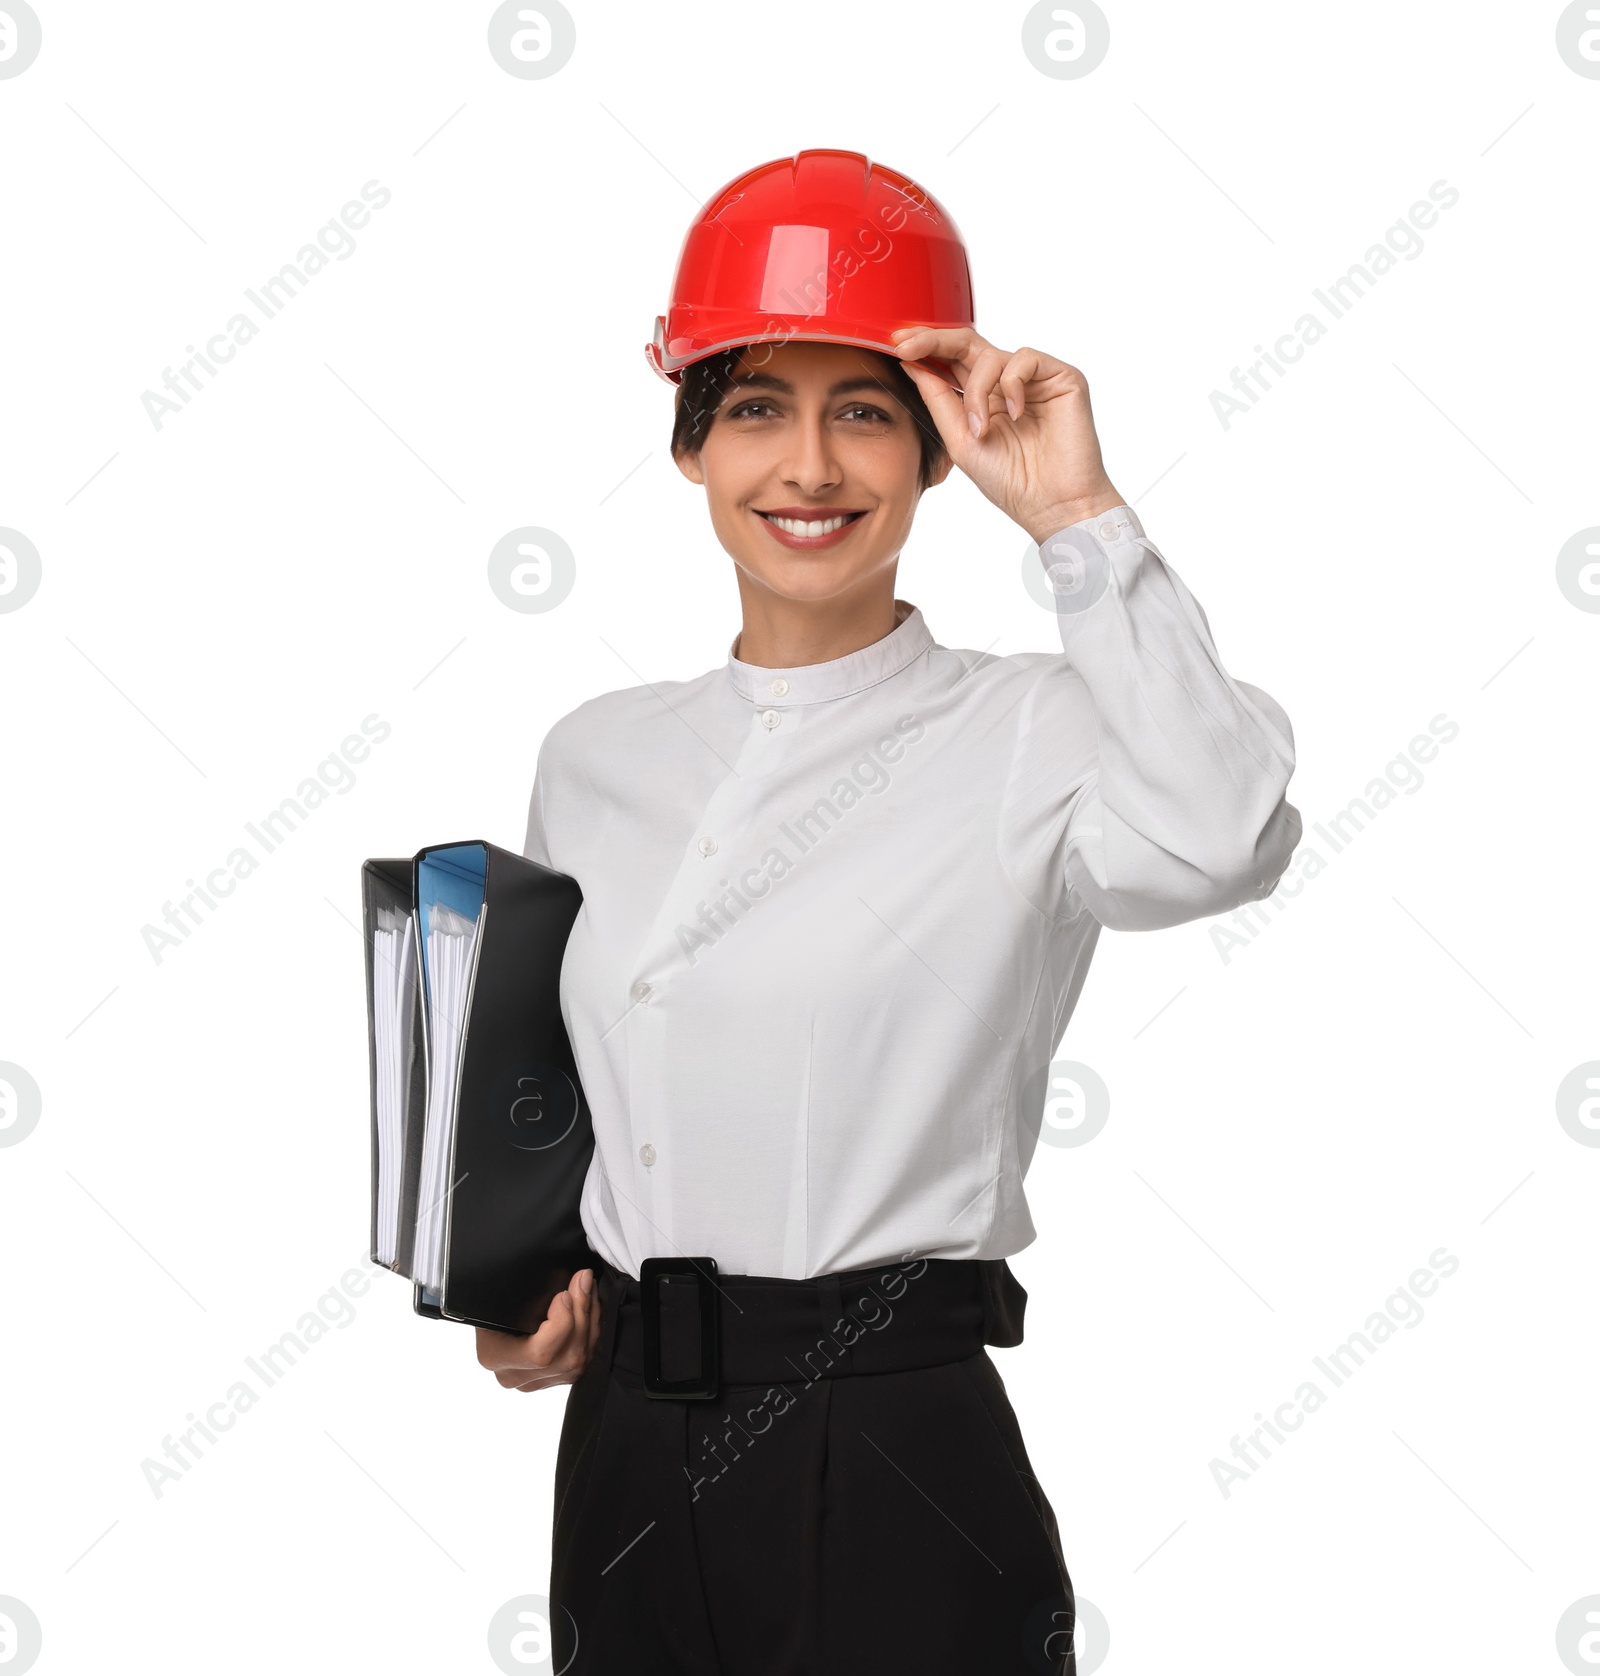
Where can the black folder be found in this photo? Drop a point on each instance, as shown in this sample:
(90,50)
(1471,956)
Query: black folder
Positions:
(481,1135)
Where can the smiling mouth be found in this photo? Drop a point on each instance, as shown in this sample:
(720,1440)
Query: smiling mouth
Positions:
(810,524)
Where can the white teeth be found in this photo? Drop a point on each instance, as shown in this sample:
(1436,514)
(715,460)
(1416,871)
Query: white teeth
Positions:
(808,526)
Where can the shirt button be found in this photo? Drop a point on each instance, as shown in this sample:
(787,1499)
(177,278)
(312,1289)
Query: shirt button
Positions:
(647,1155)
(1108,531)
(770,719)
(780,686)
(708,845)
(641,991)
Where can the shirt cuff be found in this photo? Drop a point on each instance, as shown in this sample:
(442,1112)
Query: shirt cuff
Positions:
(1078,560)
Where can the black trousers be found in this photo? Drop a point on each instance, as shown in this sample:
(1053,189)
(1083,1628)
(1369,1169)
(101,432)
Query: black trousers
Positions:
(855,1516)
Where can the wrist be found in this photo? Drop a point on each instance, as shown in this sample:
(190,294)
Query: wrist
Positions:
(1059,515)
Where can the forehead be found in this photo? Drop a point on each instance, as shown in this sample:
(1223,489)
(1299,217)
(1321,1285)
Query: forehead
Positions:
(809,366)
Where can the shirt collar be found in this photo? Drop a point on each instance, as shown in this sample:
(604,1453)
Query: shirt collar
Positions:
(810,683)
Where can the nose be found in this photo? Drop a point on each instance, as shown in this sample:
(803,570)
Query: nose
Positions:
(812,464)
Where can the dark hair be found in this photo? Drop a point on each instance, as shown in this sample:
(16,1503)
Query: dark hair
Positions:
(706,382)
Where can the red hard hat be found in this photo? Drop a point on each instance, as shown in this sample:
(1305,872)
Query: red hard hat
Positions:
(821,247)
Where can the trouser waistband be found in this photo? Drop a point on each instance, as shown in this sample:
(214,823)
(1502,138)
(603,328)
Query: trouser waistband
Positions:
(891,1318)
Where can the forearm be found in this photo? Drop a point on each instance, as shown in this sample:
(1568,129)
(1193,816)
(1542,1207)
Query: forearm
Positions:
(1186,812)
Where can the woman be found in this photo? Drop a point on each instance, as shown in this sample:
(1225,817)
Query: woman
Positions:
(840,896)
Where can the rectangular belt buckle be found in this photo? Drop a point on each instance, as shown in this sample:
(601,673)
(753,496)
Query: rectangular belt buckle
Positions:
(655,1275)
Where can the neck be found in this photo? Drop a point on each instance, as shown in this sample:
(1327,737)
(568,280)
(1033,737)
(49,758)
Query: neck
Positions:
(782,633)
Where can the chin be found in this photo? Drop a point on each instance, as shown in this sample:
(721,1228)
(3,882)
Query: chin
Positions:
(809,581)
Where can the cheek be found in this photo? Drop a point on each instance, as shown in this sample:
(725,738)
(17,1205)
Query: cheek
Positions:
(732,471)
(888,468)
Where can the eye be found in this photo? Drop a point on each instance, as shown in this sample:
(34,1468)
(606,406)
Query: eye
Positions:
(866,413)
(748,409)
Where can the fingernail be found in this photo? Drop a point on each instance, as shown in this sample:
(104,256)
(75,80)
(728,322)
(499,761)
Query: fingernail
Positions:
(974,423)
(586,1280)
(1013,409)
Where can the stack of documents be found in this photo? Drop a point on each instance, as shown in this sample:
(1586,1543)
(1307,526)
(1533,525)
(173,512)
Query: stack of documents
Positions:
(481,1136)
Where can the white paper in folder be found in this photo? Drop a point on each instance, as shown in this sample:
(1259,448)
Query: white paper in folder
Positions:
(393,982)
(448,952)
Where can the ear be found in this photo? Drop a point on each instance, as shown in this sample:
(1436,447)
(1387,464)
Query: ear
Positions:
(940,471)
(689,464)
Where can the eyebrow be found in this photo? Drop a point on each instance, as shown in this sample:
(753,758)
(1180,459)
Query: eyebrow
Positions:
(845,386)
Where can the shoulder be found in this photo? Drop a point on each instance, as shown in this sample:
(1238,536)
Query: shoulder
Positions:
(1008,675)
(622,718)
(1015,696)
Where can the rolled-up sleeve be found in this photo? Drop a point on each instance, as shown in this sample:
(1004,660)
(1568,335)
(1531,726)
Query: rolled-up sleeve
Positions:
(1148,785)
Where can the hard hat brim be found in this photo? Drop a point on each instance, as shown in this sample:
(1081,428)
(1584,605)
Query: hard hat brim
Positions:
(670,367)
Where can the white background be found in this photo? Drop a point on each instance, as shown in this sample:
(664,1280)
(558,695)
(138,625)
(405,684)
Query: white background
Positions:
(225,598)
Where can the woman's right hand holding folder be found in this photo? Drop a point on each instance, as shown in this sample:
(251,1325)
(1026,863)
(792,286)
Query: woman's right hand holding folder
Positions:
(558,1352)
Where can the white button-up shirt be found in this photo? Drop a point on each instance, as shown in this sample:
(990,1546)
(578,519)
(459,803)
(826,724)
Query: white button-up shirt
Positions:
(836,917)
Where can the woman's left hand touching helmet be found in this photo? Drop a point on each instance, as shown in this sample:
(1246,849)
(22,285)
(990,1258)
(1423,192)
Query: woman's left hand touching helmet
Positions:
(1020,426)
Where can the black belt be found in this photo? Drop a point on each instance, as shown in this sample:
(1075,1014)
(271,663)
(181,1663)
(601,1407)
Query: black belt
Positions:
(688,1330)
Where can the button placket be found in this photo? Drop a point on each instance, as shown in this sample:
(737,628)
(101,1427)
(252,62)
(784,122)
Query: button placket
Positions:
(713,842)
(771,736)
(642,1030)
(716,846)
